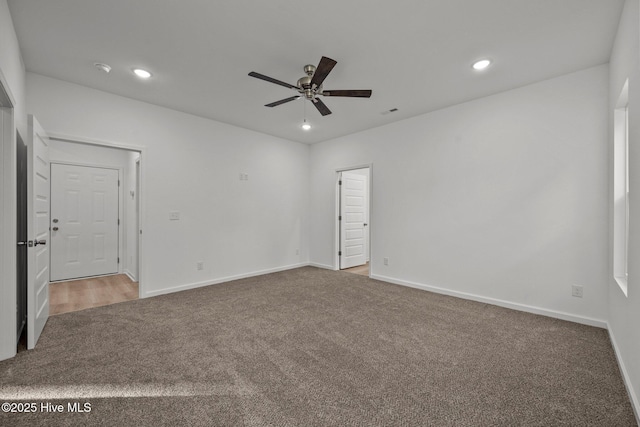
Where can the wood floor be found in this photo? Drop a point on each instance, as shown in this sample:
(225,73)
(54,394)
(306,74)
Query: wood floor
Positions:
(75,295)
(362,270)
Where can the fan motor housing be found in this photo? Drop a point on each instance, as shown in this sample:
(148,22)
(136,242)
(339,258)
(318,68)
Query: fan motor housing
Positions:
(304,82)
(309,69)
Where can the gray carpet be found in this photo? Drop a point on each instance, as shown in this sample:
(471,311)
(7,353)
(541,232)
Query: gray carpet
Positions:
(311,347)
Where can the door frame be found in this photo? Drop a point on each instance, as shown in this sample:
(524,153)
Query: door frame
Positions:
(336,236)
(141,196)
(121,224)
(8,218)
(137,209)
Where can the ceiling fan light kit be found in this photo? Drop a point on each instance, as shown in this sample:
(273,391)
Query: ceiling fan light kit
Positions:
(310,86)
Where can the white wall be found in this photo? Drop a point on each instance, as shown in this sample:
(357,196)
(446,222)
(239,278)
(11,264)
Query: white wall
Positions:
(12,67)
(124,161)
(624,312)
(191,165)
(502,198)
(13,80)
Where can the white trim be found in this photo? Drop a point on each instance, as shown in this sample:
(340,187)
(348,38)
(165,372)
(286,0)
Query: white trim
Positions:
(622,284)
(91,141)
(89,165)
(620,196)
(628,384)
(4,86)
(323,266)
(85,278)
(8,235)
(130,275)
(512,305)
(222,280)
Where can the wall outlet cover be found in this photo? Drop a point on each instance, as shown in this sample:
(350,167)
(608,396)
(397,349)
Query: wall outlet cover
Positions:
(577,291)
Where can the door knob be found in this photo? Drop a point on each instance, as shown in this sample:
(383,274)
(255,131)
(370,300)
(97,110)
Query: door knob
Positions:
(55,228)
(39,242)
(55,220)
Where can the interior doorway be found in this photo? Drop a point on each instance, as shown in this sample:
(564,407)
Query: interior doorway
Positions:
(103,182)
(353,219)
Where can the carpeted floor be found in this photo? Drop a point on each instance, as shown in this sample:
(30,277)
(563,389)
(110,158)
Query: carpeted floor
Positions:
(311,347)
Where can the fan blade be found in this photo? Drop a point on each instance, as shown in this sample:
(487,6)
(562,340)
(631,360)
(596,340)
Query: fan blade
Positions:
(322,70)
(272,80)
(351,93)
(282,101)
(321,107)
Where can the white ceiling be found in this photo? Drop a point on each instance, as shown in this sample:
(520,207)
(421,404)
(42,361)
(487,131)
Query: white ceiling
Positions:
(415,55)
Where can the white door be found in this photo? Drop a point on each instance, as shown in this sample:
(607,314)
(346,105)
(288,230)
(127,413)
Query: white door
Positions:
(37,231)
(84,221)
(352,212)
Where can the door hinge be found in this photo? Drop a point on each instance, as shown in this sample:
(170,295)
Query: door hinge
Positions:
(118,183)
(340,218)
(118,221)
(339,253)
(340,182)
(118,260)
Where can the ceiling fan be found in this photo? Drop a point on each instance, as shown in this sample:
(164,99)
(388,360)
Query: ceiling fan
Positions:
(310,86)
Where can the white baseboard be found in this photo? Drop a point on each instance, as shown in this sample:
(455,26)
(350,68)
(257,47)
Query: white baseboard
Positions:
(633,397)
(514,306)
(325,266)
(220,280)
(130,275)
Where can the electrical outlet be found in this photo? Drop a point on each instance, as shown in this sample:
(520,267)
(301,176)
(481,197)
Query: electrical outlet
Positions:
(386,261)
(576,291)
(200,265)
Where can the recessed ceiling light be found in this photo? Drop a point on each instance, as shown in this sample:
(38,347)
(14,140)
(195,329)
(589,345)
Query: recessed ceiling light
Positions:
(143,74)
(481,65)
(102,67)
